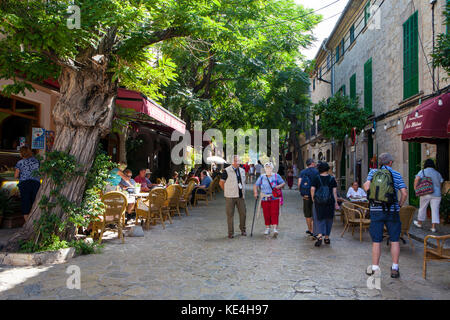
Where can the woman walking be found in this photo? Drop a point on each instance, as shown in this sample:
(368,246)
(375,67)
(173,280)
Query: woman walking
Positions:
(434,198)
(290,178)
(270,204)
(29,183)
(324,196)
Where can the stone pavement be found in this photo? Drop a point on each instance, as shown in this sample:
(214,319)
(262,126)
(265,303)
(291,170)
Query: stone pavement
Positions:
(194,259)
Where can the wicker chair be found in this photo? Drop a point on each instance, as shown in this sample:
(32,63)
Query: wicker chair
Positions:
(153,208)
(355,216)
(406,217)
(184,201)
(439,254)
(201,196)
(192,179)
(115,206)
(216,186)
(174,193)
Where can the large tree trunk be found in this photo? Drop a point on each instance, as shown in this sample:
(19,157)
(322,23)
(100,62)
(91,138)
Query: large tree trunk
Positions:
(83,113)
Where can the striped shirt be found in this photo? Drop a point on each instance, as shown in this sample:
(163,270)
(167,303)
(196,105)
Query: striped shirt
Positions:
(398,184)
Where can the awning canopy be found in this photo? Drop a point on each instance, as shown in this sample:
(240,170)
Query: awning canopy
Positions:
(139,102)
(429,121)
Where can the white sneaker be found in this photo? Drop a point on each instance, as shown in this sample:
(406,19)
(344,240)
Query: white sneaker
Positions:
(275,233)
(267,232)
(433,229)
(416,223)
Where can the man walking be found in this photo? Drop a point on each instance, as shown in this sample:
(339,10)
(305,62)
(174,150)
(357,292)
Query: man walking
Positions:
(232,183)
(382,186)
(305,180)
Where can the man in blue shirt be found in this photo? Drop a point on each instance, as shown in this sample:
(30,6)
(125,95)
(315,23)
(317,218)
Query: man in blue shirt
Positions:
(201,189)
(391,218)
(307,176)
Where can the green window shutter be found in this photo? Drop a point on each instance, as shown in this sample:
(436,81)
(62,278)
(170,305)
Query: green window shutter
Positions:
(352,33)
(367,13)
(342,47)
(368,85)
(353,86)
(337,53)
(410,57)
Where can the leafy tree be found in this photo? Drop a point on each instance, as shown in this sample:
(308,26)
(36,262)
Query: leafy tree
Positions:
(441,54)
(337,118)
(113,47)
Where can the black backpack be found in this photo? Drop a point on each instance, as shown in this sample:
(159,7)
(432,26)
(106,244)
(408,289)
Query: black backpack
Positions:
(305,186)
(323,194)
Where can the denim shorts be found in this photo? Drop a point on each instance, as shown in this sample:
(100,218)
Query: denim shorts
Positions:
(377,222)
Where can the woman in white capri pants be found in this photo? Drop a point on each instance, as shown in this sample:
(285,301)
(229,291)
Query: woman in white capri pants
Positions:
(434,199)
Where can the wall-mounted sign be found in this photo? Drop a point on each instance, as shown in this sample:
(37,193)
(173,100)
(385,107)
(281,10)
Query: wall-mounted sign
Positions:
(38,139)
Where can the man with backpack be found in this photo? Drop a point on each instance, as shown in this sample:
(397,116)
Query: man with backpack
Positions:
(304,185)
(382,187)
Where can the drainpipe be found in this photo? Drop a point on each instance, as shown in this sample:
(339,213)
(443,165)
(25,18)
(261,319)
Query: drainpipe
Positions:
(433,4)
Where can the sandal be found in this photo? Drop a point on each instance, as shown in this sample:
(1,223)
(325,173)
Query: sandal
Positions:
(318,242)
(327,241)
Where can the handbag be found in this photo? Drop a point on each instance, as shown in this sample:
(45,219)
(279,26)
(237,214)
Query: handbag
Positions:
(425,186)
(275,192)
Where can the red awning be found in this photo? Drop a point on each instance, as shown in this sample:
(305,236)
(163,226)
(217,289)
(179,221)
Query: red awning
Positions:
(429,121)
(137,101)
(140,103)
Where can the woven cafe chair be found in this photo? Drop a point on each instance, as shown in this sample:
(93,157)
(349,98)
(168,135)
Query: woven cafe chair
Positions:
(201,196)
(174,194)
(191,179)
(406,214)
(153,208)
(115,206)
(216,186)
(436,254)
(184,201)
(355,217)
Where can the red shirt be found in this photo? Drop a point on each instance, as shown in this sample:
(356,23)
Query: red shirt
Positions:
(141,181)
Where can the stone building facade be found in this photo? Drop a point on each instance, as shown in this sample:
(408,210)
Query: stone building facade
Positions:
(379,51)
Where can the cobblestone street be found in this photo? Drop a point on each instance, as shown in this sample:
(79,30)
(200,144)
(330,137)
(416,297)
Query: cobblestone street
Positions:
(194,259)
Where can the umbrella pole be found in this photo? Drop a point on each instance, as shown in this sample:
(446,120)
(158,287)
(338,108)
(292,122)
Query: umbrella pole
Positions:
(254,213)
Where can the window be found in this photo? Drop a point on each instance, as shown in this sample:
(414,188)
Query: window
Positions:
(353,86)
(367,13)
(337,53)
(17,117)
(328,61)
(342,90)
(328,155)
(410,57)
(342,47)
(320,73)
(368,85)
(352,34)
(448,20)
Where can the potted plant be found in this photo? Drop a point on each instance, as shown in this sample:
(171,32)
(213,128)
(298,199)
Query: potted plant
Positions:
(444,210)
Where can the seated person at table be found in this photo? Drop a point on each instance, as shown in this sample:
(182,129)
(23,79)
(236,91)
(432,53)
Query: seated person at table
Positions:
(201,189)
(145,183)
(191,175)
(176,178)
(126,183)
(355,192)
(116,176)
